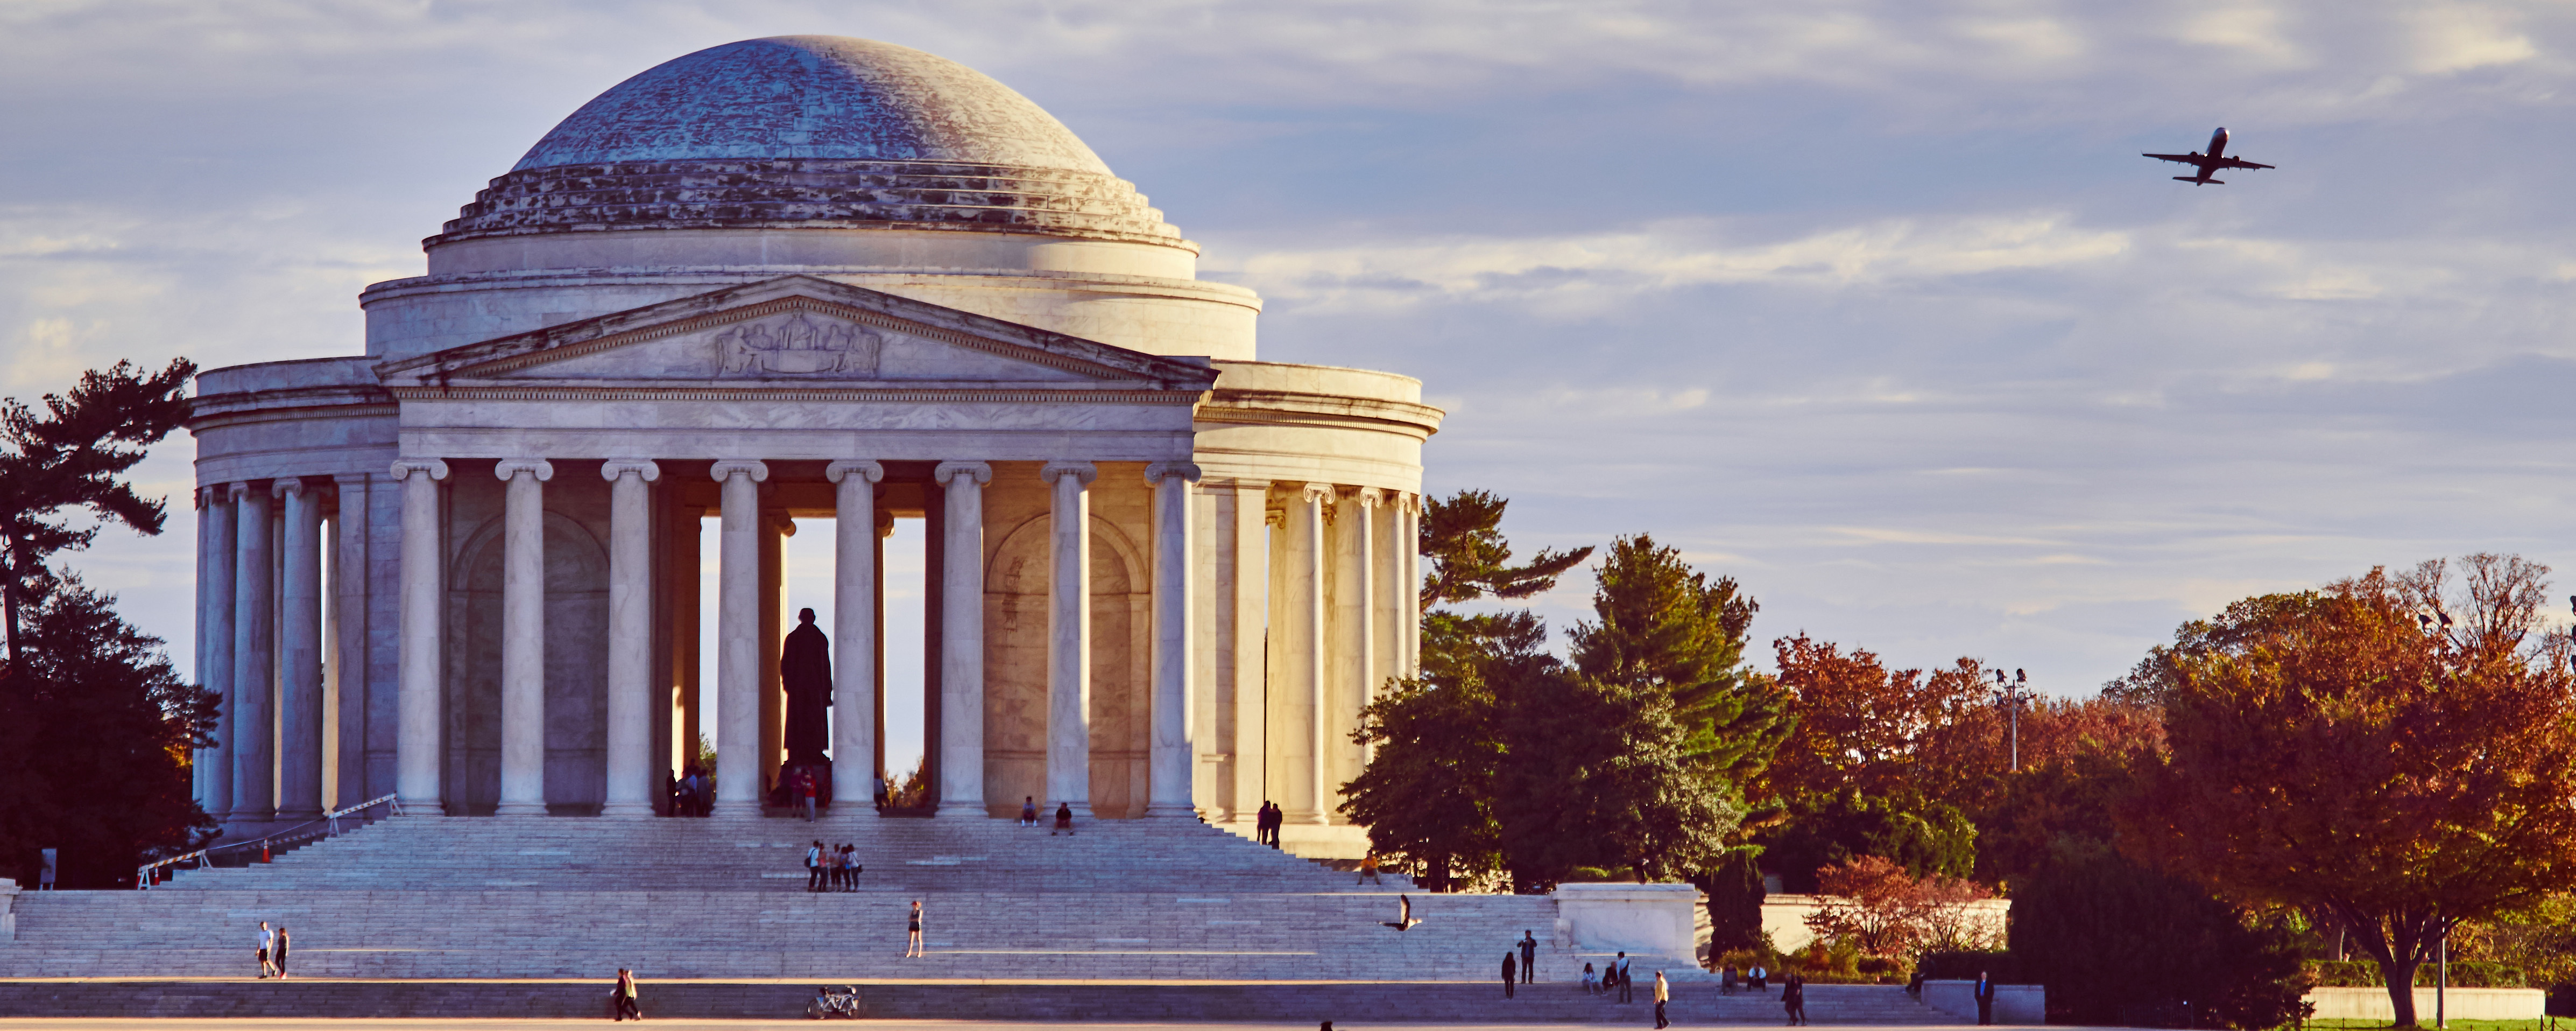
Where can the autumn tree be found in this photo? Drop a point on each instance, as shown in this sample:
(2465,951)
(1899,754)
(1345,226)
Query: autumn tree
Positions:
(1879,908)
(72,457)
(2398,750)
(1884,732)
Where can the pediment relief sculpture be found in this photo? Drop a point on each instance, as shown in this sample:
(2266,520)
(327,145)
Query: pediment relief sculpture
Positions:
(797,346)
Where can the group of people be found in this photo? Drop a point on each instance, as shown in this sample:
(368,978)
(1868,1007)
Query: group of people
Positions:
(1754,978)
(1614,976)
(1063,816)
(694,794)
(832,869)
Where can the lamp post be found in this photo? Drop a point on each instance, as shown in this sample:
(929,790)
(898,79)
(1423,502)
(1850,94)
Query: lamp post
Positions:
(2012,697)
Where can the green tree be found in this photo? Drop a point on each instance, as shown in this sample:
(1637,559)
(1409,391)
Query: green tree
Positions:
(1600,775)
(74,455)
(1665,629)
(2392,750)
(2111,939)
(1468,558)
(1734,888)
(95,729)
(1924,837)
(1427,794)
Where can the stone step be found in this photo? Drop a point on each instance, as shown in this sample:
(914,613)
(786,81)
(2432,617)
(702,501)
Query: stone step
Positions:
(1017,999)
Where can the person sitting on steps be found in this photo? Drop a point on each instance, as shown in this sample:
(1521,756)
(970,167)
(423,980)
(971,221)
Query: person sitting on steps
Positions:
(1028,810)
(1063,820)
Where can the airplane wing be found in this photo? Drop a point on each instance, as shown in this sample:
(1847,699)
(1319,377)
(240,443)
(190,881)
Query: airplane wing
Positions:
(2188,159)
(2233,163)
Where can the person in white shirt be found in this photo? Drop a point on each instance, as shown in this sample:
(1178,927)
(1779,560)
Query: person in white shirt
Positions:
(267,950)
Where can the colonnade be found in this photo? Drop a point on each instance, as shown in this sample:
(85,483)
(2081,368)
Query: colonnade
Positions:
(632,689)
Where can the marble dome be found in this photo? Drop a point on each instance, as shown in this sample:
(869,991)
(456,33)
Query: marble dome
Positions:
(814,131)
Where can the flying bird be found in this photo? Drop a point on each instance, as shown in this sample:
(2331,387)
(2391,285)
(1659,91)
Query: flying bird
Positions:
(1404,914)
(2213,161)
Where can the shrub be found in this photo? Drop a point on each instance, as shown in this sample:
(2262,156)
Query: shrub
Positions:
(1966,964)
(2112,940)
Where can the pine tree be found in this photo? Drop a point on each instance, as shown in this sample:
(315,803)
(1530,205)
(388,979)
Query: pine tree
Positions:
(1666,629)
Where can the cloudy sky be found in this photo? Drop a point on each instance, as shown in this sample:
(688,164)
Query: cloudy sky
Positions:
(1873,306)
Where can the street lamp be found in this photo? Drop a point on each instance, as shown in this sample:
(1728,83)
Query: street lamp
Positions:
(2012,697)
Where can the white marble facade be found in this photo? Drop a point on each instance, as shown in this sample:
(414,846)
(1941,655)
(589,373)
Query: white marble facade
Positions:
(1164,575)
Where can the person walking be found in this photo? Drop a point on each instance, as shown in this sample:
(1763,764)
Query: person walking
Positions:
(623,997)
(1793,998)
(1985,999)
(267,950)
(1619,965)
(912,947)
(1529,958)
(1511,975)
(1063,820)
(814,867)
(282,946)
(1028,810)
(1265,825)
(1663,994)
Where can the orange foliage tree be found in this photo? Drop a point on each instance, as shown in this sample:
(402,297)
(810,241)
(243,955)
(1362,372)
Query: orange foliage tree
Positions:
(1873,905)
(2396,749)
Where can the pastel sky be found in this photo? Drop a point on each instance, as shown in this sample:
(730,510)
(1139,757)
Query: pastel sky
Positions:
(1872,306)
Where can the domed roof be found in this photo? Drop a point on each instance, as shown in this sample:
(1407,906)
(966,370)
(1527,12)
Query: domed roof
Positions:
(812,97)
(812,132)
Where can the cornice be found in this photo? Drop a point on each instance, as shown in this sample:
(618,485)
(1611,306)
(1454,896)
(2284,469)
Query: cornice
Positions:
(823,394)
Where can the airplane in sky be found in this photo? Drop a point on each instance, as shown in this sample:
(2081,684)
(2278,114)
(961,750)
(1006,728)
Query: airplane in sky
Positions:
(2213,161)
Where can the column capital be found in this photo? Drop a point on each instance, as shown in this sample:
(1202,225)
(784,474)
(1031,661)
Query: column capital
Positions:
(872,472)
(1371,497)
(731,467)
(509,468)
(285,485)
(644,467)
(210,495)
(1157,472)
(948,471)
(236,491)
(1085,471)
(404,467)
(1316,492)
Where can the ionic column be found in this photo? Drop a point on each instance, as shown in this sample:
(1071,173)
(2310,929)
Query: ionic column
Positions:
(961,641)
(1408,586)
(254,789)
(523,636)
(737,640)
(218,667)
(418,728)
(300,656)
(1358,598)
(854,633)
(775,528)
(1306,612)
(1068,763)
(349,605)
(1173,752)
(1243,607)
(630,637)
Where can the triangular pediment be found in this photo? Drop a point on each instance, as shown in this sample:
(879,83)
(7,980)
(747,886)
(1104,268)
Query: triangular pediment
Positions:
(797,330)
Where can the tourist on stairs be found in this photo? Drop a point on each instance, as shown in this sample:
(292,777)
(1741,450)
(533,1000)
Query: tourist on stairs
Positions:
(1028,810)
(814,867)
(912,944)
(622,999)
(1063,820)
(1663,994)
(1511,974)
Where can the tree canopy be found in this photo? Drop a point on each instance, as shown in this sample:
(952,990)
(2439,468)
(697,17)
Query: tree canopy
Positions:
(1664,628)
(74,455)
(1468,558)
(2398,750)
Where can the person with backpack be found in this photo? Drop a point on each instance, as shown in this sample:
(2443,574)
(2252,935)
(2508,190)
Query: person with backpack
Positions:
(814,867)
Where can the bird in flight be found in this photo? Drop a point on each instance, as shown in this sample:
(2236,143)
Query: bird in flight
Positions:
(1403,914)
(2213,161)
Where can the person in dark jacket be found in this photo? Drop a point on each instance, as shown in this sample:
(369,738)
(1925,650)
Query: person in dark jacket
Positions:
(1985,999)
(1529,958)
(1793,998)
(1511,974)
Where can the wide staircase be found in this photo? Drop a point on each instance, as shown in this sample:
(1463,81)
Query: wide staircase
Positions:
(1199,923)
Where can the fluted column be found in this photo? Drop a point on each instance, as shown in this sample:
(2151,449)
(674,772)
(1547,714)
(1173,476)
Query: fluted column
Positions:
(197,755)
(1408,586)
(1173,751)
(737,640)
(1306,609)
(254,789)
(419,729)
(1068,762)
(218,668)
(961,641)
(630,637)
(854,634)
(523,636)
(300,653)
(348,603)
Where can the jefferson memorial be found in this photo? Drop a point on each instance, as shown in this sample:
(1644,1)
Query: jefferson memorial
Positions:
(810,278)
